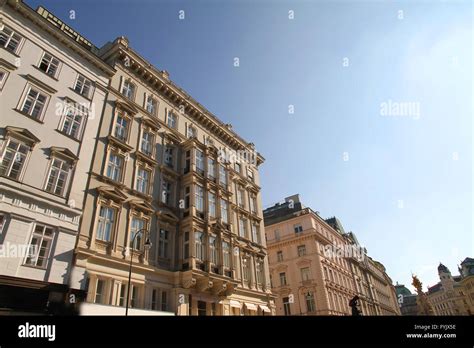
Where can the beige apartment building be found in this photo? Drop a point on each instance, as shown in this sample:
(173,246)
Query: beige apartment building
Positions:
(316,268)
(454,295)
(166,168)
(52,84)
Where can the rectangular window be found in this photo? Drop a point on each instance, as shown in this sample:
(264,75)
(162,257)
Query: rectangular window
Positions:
(200,161)
(283,279)
(240,198)
(305,273)
(40,246)
(172,120)
(226,252)
(164,300)
(169,156)
(237,167)
(224,215)
(187,195)
(191,132)
(187,162)
(255,234)
(279,256)
(83,86)
(242,227)
(74,119)
(222,175)
(121,127)
(99,291)
(58,175)
(105,223)
(199,244)
(253,204)
(136,226)
(128,90)
(3,77)
(310,303)
(286,305)
(277,235)
(250,175)
(9,39)
(133,296)
(2,223)
(211,167)
(34,103)
(259,272)
(123,294)
(151,105)
(163,244)
(246,269)
(212,204)
(146,145)
(166,192)
(115,166)
(301,250)
(298,228)
(13,159)
(49,65)
(213,250)
(154,299)
(199,196)
(143,180)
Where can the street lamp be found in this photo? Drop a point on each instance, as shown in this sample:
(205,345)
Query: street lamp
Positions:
(147,247)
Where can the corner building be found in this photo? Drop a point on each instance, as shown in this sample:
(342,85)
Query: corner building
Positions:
(158,165)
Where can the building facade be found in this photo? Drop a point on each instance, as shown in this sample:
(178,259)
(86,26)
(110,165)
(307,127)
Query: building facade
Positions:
(406,300)
(51,84)
(454,295)
(166,169)
(317,268)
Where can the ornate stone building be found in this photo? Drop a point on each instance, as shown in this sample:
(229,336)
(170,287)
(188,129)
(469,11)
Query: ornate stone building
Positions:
(52,83)
(317,268)
(166,166)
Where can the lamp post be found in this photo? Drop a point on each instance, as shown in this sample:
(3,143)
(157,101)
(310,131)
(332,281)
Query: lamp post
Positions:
(147,246)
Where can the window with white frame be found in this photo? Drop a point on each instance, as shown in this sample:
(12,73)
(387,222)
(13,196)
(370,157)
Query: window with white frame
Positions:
(115,166)
(224,209)
(191,132)
(128,90)
(305,273)
(34,103)
(58,176)
(199,197)
(259,271)
(240,197)
(310,302)
(165,192)
(212,204)
(242,227)
(301,250)
(199,161)
(105,223)
(211,168)
(137,224)
(222,175)
(253,204)
(40,246)
(169,156)
(246,269)
(14,158)
(255,234)
(199,245)
(73,121)
(163,243)
(9,39)
(99,291)
(226,254)
(3,77)
(151,105)
(121,127)
(172,120)
(237,167)
(143,180)
(298,228)
(49,64)
(83,86)
(213,250)
(250,175)
(147,141)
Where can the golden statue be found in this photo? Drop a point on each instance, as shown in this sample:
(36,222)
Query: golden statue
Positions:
(424,306)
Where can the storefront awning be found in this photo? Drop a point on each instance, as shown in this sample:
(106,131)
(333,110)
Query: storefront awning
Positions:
(250,306)
(265,308)
(235,304)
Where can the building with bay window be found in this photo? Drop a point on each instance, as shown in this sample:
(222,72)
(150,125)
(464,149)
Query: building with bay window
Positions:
(166,168)
(52,83)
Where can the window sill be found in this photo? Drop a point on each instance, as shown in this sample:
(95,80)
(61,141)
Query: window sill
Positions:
(68,136)
(29,116)
(52,77)
(12,53)
(40,268)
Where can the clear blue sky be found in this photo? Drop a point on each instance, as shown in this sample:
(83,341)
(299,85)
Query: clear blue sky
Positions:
(406,188)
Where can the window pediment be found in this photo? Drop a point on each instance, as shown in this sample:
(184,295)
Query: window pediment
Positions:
(141,205)
(112,193)
(64,153)
(23,134)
